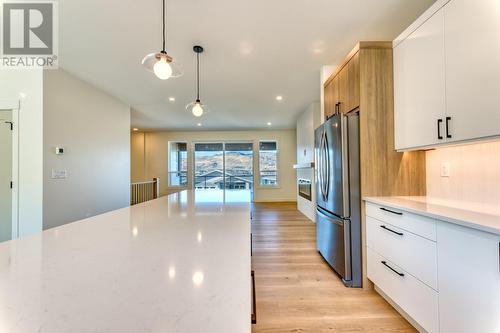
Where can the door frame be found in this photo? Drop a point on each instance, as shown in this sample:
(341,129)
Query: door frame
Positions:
(14,106)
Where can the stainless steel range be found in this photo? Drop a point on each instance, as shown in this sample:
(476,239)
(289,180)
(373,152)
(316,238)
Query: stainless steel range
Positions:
(338,212)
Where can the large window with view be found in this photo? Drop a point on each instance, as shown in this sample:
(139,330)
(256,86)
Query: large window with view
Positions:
(268,163)
(209,166)
(177,165)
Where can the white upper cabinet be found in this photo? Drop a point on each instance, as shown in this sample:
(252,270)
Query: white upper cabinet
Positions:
(472,43)
(447,75)
(469,280)
(419,85)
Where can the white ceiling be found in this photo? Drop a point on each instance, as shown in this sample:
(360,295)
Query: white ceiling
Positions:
(254,51)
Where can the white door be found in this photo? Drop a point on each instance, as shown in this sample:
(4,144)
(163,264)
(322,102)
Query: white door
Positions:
(469,280)
(419,85)
(5,175)
(472,35)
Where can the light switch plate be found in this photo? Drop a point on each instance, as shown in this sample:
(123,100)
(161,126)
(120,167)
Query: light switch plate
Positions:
(445,169)
(59,174)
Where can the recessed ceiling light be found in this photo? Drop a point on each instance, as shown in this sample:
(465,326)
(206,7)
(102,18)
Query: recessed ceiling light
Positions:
(135,129)
(279,98)
(199,124)
(171,99)
(269,124)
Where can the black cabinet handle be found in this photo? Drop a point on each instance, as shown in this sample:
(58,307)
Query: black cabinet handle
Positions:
(251,245)
(254,302)
(448,135)
(390,230)
(392,269)
(337,107)
(440,137)
(390,211)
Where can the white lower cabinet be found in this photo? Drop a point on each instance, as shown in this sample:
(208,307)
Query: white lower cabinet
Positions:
(469,280)
(413,253)
(414,297)
(447,284)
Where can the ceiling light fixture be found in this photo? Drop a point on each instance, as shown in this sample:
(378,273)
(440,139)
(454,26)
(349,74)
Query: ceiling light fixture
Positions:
(196,107)
(279,98)
(269,124)
(171,99)
(199,124)
(161,63)
(135,129)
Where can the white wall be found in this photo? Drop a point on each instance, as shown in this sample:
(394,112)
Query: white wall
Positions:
(27,86)
(474,180)
(156,148)
(94,129)
(307,122)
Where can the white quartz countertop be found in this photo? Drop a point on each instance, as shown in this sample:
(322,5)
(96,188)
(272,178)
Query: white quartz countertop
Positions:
(179,263)
(467,215)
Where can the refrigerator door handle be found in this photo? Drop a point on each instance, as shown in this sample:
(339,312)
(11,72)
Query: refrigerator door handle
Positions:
(327,170)
(320,165)
(321,162)
(324,166)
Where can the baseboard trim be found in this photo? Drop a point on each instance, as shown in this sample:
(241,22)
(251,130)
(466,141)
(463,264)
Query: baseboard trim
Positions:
(276,200)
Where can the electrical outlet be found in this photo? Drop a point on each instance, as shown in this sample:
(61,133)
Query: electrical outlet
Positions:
(445,169)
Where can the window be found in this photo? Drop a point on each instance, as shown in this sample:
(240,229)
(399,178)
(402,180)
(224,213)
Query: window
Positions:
(238,165)
(268,163)
(209,166)
(177,164)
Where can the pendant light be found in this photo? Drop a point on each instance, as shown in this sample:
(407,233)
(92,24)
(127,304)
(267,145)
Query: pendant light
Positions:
(160,63)
(196,107)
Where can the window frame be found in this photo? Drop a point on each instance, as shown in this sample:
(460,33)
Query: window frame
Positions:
(169,150)
(278,174)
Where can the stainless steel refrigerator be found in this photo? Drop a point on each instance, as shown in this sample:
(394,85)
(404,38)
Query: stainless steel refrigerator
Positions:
(338,211)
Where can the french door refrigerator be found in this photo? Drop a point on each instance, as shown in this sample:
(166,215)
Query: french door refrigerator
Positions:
(338,211)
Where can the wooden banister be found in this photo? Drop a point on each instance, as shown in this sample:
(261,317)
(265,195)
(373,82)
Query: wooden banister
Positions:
(144,191)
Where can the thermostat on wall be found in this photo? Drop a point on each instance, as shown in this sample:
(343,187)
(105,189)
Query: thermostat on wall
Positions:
(59,150)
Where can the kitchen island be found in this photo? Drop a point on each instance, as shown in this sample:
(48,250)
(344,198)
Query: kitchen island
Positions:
(180,263)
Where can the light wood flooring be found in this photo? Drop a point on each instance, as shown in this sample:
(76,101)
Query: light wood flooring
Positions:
(297,291)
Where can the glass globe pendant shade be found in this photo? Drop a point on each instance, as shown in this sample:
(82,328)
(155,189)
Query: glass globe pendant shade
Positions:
(162,65)
(197,108)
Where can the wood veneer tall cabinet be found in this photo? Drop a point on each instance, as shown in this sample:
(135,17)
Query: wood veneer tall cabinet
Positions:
(364,82)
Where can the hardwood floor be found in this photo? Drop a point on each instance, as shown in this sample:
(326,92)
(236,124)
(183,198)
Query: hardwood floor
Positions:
(297,291)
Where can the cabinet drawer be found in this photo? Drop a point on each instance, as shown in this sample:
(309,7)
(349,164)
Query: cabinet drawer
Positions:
(415,298)
(415,254)
(416,224)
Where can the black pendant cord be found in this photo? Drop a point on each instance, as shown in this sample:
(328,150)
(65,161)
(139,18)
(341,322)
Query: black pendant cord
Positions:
(197,77)
(163,25)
